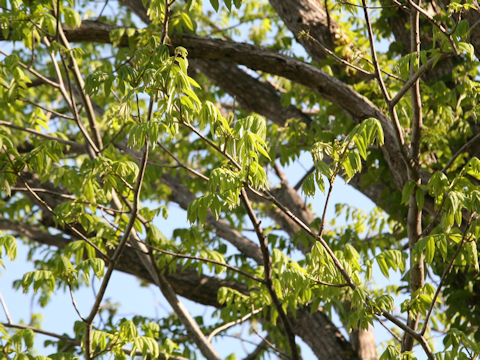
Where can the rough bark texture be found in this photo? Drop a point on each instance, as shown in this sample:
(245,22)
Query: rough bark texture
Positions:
(324,339)
(251,94)
(308,16)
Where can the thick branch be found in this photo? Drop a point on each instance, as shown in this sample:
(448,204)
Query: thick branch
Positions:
(251,94)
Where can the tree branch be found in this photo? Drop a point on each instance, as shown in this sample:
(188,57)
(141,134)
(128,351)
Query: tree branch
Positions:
(74,145)
(117,253)
(268,275)
(414,216)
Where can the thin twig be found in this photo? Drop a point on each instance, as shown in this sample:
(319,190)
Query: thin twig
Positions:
(71,227)
(181,164)
(324,283)
(413,79)
(268,275)
(325,207)
(183,314)
(35,73)
(280,353)
(212,144)
(393,112)
(300,182)
(328,52)
(74,302)
(103,9)
(470,142)
(5,309)
(70,340)
(376,64)
(56,113)
(232,323)
(81,88)
(203,259)
(43,332)
(76,146)
(118,251)
(400,5)
(437,24)
(92,148)
(368,7)
(444,276)
(395,336)
(414,334)
(389,74)
(69,197)
(166,19)
(255,354)
(337,263)
(304,227)
(414,216)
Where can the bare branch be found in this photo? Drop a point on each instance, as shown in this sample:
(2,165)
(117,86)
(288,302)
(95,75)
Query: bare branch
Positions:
(436,23)
(393,112)
(206,260)
(35,73)
(414,216)
(232,323)
(465,146)
(75,146)
(5,309)
(444,276)
(117,253)
(53,112)
(81,88)
(268,274)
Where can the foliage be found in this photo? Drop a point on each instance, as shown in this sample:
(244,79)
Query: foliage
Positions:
(107,123)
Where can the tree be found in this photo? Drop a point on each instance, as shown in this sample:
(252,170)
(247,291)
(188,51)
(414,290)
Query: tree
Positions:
(107,122)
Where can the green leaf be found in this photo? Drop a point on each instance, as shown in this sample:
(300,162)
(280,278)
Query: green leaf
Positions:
(28,337)
(11,61)
(155,236)
(385,302)
(308,186)
(98,267)
(462,28)
(361,144)
(128,330)
(468,49)
(420,198)
(72,18)
(438,183)
(214,4)
(382,264)
(430,250)
(99,339)
(472,254)
(473,167)
(9,243)
(390,353)
(407,191)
